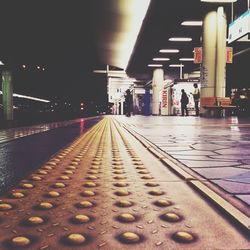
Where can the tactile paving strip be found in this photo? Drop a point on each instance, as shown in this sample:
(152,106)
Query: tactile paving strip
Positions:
(105,191)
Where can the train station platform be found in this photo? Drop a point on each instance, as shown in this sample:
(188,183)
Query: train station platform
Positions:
(128,183)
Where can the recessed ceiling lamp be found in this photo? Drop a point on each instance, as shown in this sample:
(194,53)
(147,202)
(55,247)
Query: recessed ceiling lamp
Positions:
(161,59)
(180,39)
(192,23)
(219,1)
(176,65)
(155,65)
(169,51)
(186,59)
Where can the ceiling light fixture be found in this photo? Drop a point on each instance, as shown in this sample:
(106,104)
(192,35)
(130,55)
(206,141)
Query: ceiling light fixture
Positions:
(219,1)
(180,39)
(176,65)
(161,59)
(169,51)
(192,23)
(1,63)
(186,59)
(155,65)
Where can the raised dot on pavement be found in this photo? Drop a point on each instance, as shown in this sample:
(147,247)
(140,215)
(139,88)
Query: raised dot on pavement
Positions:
(126,217)
(36,178)
(85,204)
(124,203)
(45,205)
(81,218)
(151,184)
(147,177)
(156,192)
(35,220)
(183,237)
(5,206)
(17,195)
(64,177)
(53,194)
(121,184)
(122,192)
(26,185)
(76,239)
(88,193)
(93,171)
(20,241)
(92,177)
(162,203)
(89,184)
(171,217)
(130,237)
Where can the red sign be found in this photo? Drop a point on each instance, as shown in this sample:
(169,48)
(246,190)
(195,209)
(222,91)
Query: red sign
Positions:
(164,103)
(198,55)
(229,55)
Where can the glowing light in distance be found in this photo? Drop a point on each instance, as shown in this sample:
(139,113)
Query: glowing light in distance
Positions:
(1,63)
(169,51)
(38,67)
(24,66)
(28,97)
(186,59)
(155,65)
(180,39)
(161,59)
(192,23)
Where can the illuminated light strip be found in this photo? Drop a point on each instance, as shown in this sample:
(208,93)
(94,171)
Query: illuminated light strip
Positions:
(28,97)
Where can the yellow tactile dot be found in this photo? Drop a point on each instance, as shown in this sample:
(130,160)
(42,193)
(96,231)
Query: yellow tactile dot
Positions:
(45,205)
(75,163)
(117,163)
(96,163)
(134,159)
(162,203)
(85,204)
(90,184)
(118,172)
(130,237)
(124,203)
(156,192)
(47,167)
(71,167)
(138,163)
(77,159)
(151,184)
(20,241)
(140,168)
(81,218)
(121,184)
(5,206)
(118,167)
(26,185)
(117,159)
(52,163)
(119,177)
(43,172)
(17,195)
(68,172)
(171,217)
(122,192)
(88,193)
(36,178)
(53,194)
(126,217)
(183,236)
(143,172)
(92,177)
(147,177)
(35,220)
(64,177)
(76,239)
(93,171)
(59,185)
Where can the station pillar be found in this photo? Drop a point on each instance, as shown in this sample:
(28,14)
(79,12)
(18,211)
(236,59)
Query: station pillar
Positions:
(122,107)
(157,84)
(213,69)
(147,101)
(7,89)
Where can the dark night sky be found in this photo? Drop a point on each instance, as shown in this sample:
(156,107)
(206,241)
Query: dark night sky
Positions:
(57,36)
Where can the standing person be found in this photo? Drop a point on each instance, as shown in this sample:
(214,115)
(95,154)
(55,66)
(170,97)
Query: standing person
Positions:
(196,95)
(128,102)
(184,102)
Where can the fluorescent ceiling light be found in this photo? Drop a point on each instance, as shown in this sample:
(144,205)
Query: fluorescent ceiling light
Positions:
(161,59)
(155,65)
(219,1)
(192,23)
(180,39)
(186,59)
(1,63)
(176,65)
(169,51)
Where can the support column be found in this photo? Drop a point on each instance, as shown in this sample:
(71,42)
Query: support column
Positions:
(213,69)
(7,89)
(147,101)
(220,87)
(157,84)
(122,111)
